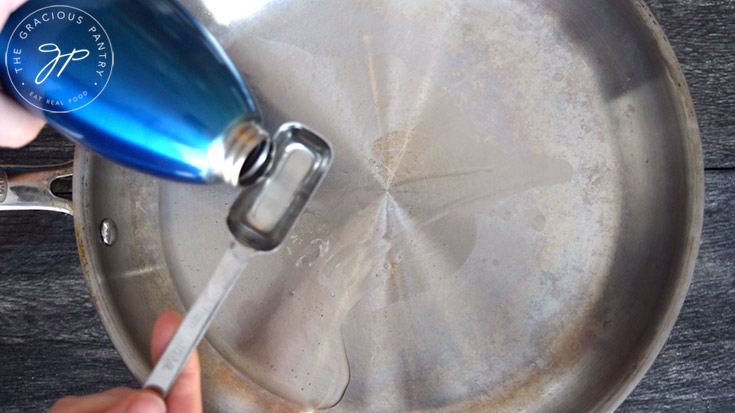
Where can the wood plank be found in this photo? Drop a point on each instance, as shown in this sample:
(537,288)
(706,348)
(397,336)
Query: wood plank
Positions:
(702,34)
(695,371)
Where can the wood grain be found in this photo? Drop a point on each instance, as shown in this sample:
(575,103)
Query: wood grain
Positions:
(702,34)
(695,372)
(52,343)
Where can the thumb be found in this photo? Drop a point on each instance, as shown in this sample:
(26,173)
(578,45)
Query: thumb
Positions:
(186,394)
(142,401)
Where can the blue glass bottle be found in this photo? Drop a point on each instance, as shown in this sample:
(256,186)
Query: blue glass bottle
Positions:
(140,82)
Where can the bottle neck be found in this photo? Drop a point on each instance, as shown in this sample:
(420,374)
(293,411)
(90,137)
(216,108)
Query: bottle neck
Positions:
(248,153)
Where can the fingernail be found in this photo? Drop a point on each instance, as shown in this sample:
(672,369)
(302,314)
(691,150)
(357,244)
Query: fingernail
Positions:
(147,403)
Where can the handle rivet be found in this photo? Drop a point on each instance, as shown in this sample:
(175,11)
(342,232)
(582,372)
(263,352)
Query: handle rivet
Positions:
(108,231)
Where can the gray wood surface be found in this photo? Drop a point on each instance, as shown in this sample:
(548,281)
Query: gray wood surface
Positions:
(702,33)
(53,344)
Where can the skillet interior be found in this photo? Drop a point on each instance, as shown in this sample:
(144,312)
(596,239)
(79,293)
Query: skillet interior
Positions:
(511,221)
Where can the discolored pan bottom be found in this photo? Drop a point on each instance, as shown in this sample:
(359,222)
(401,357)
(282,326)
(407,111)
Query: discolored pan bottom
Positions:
(510,222)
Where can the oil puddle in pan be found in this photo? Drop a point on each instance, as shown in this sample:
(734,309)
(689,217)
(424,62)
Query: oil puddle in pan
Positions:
(374,277)
(312,307)
(294,347)
(343,299)
(267,329)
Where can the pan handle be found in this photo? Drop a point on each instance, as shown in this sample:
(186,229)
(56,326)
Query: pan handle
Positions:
(29,188)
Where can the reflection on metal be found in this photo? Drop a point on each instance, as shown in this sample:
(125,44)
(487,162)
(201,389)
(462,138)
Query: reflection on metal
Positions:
(227,11)
(108,231)
(29,188)
(3,185)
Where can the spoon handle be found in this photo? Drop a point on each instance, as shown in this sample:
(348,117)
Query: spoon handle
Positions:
(197,320)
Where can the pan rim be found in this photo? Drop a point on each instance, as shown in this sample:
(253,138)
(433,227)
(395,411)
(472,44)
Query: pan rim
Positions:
(695,188)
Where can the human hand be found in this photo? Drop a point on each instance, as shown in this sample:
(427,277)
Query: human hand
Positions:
(17,125)
(184,397)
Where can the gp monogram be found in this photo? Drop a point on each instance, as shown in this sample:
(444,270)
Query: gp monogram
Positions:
(68,52)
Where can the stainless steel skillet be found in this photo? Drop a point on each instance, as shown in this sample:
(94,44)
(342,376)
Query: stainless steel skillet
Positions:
(510,223)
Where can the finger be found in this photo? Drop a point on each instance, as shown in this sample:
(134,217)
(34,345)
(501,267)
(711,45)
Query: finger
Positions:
(18,125)
(186,394)
(93,403)
(139,401)
(7,7)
